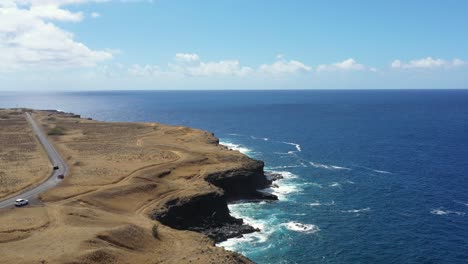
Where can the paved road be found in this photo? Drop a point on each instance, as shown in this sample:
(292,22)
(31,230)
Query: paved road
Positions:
(55,158)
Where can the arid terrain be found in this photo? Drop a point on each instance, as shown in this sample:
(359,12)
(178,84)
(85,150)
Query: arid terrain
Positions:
(23,162)
(133,193)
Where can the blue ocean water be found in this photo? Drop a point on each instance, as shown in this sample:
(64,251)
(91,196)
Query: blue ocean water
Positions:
(374,176)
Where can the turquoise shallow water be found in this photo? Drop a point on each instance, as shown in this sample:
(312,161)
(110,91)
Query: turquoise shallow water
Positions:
(369,176)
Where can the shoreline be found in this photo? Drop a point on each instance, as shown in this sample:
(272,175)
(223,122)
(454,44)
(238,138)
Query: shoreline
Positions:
(179,176)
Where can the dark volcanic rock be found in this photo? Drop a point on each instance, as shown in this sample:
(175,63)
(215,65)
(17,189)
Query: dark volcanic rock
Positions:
(208,213)
(242,183)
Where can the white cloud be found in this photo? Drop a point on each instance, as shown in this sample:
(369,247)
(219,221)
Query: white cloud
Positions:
(28,38)
(427,63)
(224,67)
(144,70)
(187,57)
(346,65)
(95,15)
(191,65)
(51,12)
(284,67)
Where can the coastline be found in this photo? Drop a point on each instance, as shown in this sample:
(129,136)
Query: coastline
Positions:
(200,175)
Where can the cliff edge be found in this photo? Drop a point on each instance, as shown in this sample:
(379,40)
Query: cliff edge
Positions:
(136,193)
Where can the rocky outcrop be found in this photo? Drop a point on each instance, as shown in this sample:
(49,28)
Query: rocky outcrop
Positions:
(243,183)
(208,213)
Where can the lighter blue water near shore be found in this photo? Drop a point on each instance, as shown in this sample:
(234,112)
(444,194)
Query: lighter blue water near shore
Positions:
(369,176)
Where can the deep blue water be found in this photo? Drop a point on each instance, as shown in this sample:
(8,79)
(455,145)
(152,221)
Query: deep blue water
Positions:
(374,177)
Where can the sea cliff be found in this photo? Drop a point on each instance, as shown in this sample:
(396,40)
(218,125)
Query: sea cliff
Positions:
(135,192)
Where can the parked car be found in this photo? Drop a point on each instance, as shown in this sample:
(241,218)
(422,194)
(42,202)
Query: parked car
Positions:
(61,176)
(56,167)
(21,202)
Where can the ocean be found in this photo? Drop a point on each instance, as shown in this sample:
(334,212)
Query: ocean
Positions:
(370,176)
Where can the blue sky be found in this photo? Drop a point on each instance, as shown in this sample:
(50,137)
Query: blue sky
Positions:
(102,45)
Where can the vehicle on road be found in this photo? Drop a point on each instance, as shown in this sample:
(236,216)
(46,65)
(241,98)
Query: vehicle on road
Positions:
(61,176)
(21,202)
(56,167)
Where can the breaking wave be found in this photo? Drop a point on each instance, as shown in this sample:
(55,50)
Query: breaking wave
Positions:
(320,204)
(382,171)
(283,187)
(440,211)
(237,147)
(300,227)
(328,167)
(357,210)
(297,146)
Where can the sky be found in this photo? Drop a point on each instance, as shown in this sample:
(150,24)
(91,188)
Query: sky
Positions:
(70,45)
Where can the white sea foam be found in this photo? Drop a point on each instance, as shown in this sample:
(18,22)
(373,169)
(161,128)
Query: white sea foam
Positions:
(350,182)
(259,138)
(237,147)
(334,184)
(382,171)
(285,174)
(297,146)
(266,228)
(300,227)
(460,202)
(357,210)
(328,167)
(283,167)
(282,190)
(440,211)
(320,204)
(283,187)
(314,184)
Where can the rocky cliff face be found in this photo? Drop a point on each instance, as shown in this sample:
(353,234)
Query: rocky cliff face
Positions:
(208,213)
(243,182)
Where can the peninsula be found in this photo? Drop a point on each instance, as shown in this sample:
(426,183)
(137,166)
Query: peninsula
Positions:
(132,192)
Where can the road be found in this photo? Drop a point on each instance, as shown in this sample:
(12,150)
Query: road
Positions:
(54,157)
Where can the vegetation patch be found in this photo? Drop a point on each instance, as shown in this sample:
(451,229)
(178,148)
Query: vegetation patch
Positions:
(56,131)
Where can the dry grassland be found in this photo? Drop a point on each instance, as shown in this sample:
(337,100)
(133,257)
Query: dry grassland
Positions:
(22,160)
(119,173)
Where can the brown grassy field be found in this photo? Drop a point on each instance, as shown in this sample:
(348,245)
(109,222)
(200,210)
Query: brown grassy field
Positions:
(22,159)
(119,174)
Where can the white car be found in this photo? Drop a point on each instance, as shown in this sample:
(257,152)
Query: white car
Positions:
(21,202)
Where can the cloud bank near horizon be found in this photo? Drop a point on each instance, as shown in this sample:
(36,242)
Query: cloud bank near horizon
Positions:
(32,41)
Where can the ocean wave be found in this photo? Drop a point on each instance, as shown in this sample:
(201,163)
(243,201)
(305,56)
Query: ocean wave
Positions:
(300,227)
(334,184)
(238,147)
(260,138)
(314,184)
(357,210)
(285,174)
(297,146)
(440,211)
(283,167)
(266,226)
(283,187)
(320,204)
(350,182)
(460,202)
(328,167)
(282,190)
(382,171)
